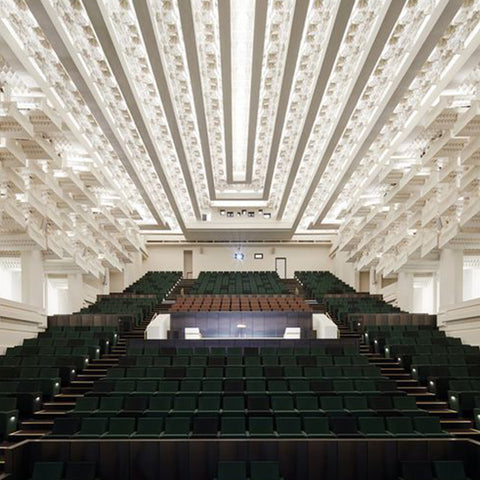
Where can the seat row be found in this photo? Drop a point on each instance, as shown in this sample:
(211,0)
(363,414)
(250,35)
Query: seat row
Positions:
(421,371)
(394,350)
(238,405)
(253,427)
(63,362)
(155,283)
(220,361)
(236,385)
(237,303)
(356,371)
(241,351)
(54,351)
(44,380)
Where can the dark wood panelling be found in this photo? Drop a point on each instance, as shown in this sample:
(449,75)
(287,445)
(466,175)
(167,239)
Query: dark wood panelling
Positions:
(348,459)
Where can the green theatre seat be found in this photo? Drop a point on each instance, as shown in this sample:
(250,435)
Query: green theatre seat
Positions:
(48,471)
(231,427)
(8,416)
(232,471)
(449,470)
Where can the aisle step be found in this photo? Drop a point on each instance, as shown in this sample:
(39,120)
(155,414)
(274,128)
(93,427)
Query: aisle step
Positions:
(21,435)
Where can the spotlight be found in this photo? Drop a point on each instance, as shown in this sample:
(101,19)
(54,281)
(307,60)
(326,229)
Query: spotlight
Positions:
(222,212)
(244,212)
(251,214)
(267,215)
(240,256)
(229,214)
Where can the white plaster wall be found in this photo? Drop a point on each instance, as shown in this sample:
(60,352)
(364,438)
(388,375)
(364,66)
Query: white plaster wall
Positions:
(462,320)
(345,270)
(19,321)
(213,257)
(10,284)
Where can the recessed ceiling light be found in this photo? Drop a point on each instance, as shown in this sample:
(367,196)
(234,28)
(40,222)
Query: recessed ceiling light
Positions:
(239,256)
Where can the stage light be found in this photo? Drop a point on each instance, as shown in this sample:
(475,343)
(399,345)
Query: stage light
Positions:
(240,256)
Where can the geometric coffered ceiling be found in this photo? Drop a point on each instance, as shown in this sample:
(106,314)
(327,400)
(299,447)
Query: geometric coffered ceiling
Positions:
(261,119)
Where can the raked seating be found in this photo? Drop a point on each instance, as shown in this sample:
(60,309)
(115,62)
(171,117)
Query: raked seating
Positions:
(235,303)
(238,283)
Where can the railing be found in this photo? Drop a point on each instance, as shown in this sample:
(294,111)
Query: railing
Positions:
(19,321)
(462,320)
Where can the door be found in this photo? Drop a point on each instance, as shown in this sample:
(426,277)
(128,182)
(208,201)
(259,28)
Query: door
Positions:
(187,264)
(281,266)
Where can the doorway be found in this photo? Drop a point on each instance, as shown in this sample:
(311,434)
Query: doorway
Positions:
(281,266)
(187,264)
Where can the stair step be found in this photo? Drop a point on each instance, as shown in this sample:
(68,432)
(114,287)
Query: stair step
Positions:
(66,405)
(442,412)
(50,413)
(465,433)
(37,424)
(421,395)
(65,397)
(27,434)
(456,422)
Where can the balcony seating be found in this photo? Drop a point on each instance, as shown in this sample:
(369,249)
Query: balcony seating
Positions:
(233,303)
(238,283)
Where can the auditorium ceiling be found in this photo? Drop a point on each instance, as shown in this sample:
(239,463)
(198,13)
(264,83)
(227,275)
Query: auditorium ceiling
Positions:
(353,120)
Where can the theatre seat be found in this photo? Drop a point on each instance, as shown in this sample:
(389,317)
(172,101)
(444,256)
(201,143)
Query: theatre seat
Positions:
(92,428)
(232,471)
(149,428)
(48,471)
(177,427)
(429,427)
(80,471)
(8,416)
(449,470)
(317,427)
(417,471)
(264,471)
(65,427)
(261,427)
(344,427)
(231,427)
(373,427)
(289,427)
(120,428)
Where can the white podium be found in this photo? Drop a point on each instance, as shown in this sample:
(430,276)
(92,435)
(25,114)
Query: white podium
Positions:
(324,326)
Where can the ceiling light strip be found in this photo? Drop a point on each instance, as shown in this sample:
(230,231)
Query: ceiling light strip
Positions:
(318,23)
(207,40)
(174,84)
(355,59)
(277,34)
(242,17)
(376,102)
(22,25)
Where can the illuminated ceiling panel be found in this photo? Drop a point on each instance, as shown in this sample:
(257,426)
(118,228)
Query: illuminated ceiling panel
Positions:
(249,119)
